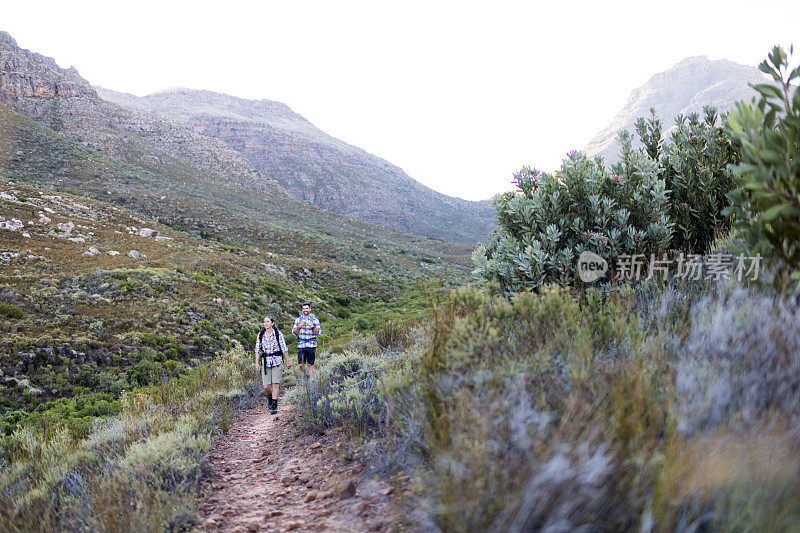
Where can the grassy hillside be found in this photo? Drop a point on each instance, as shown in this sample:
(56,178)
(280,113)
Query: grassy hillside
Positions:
(82,318)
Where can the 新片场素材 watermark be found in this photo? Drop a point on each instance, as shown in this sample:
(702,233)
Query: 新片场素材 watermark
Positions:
(718,266)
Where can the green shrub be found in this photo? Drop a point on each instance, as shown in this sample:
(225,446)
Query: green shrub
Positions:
(344,393)
(695,167)
(767,205)
(583,206)
(146,372)
(393,334)
(342,312)
(10,311)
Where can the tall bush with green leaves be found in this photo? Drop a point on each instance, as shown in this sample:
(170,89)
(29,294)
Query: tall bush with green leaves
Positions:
(767,203)
(546,224)
(694,165)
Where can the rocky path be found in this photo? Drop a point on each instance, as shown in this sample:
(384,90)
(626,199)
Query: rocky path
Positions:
(269,477)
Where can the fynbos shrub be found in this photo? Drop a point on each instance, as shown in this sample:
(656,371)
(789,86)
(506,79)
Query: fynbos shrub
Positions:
(552,218)
(767,206)
(694,166)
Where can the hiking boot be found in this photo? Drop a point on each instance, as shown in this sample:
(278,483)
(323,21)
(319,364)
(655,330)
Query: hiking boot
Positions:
(273,406)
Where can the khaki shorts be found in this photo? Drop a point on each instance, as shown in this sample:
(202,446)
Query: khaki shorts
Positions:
(271,374)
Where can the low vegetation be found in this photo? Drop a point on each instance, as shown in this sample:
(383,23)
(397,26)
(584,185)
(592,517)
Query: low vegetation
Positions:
(639,409)
(137,471)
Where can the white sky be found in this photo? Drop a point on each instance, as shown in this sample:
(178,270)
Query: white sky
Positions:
(458,94)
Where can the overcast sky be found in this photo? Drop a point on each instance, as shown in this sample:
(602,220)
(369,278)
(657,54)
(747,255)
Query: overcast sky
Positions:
(460,95)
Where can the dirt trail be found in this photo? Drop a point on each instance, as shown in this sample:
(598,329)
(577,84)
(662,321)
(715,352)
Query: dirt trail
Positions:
(269,478)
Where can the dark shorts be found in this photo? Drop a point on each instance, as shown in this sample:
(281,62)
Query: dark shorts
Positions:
(306,356)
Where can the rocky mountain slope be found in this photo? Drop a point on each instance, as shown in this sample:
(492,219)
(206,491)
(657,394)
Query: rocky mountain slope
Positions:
(316,167)
(688,86)
(73,140)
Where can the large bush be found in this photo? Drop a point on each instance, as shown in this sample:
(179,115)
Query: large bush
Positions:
(552,218)
(694,165)
(767,205)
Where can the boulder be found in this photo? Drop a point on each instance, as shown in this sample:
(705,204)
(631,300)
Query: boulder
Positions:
(12,225)
(20,368)
(133,254)
(147,232)
(66,227)
(347,489)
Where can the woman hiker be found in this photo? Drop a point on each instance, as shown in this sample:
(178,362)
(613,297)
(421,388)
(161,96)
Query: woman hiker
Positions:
(271,353)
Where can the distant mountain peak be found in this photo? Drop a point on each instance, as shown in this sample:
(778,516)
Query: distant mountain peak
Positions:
(691,60)
(172,90)
(686,87)
(256,146)
(7,41)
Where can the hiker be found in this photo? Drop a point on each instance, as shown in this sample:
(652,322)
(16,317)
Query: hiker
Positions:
(271,354)
(306,328)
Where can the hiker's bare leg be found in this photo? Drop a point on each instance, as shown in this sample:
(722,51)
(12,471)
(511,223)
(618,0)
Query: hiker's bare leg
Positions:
(310,370)
(276,389)
(267,389)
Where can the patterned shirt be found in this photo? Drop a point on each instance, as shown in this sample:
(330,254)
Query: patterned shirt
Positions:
(272,348)
(306,338)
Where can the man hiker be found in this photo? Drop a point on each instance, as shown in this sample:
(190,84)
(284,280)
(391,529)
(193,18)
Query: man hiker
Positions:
(271,353)
(306,328)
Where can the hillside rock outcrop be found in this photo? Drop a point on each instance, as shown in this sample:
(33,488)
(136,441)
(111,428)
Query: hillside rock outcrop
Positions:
(24,74)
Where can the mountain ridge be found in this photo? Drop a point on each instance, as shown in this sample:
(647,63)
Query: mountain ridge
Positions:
(317,167)
(685,87)
(229,141)
(164,170)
